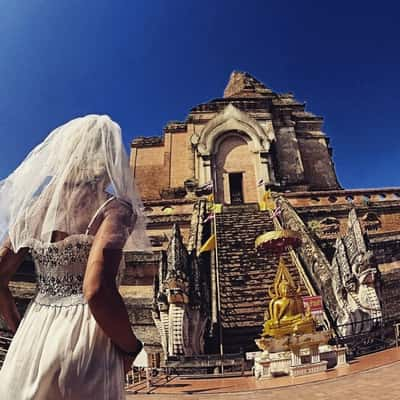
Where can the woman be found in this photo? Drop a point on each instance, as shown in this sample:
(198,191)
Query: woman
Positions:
(71,204)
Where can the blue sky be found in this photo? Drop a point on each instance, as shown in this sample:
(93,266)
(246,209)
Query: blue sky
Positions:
(146,62)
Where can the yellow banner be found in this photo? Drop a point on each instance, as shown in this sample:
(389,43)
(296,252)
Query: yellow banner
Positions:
(267,203)
(216,208)
(208,245)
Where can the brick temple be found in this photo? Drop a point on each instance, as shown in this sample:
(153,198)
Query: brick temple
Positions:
(248,141)
(185,302)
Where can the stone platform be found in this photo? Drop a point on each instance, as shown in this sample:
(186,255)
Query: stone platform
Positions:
(297,355)
(372,376)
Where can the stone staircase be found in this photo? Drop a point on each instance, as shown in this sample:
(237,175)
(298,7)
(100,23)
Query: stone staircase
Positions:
(245,275)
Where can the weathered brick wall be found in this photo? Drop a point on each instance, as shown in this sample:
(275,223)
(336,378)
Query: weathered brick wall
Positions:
(182,159)
(139,310)
(244,85)
(318,168)
(390,293)
(140,268)
(387,254)
(387,211)
(140,274)
(390,221)
(151,171)
(289,162)
(163,166)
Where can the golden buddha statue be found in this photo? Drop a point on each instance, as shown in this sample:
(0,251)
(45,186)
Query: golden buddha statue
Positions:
(286,310)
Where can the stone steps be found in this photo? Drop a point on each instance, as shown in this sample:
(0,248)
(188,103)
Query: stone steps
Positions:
(244,274)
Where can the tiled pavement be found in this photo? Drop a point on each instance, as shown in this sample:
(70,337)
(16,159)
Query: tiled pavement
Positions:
(375,377)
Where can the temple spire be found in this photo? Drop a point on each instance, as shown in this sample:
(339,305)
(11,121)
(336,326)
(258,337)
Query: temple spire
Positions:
(242,84)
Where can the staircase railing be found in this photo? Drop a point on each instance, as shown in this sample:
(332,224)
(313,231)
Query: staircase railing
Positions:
(299,266)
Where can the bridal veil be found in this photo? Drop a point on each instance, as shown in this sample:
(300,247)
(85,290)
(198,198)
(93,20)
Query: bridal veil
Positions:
(65,179)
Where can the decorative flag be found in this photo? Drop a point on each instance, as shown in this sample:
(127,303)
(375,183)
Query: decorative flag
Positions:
(217,208)
(261,206)
(208,245)
(267,195)
(267,202)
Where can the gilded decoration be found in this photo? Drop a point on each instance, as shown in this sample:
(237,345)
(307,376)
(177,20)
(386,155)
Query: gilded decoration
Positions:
(286,311)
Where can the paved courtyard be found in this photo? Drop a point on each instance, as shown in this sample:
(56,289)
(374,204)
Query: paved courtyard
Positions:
(374,377)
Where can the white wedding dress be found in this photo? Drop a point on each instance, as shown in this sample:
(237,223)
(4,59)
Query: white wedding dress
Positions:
(59,351)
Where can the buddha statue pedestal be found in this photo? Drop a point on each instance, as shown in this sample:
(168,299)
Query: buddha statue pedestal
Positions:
(294,355)
(289,340)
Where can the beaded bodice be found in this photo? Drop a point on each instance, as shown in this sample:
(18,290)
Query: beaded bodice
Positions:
(60,269)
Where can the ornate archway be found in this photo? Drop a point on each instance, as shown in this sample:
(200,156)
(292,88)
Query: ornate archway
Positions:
(234,169)
(230,133)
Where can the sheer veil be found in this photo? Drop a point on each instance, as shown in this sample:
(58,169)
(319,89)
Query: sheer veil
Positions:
(64,180)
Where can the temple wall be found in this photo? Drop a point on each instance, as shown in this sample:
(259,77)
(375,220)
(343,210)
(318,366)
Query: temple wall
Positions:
(390,293)
(166,232)
(152,168)
(140,275)
(181,159)
(342,197)
(290,166)
(318,168)
(151,171)
(162,167)
(390,221)
(388,257)
(168,209)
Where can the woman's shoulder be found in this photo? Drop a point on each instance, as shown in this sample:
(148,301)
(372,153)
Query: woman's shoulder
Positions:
(118,207)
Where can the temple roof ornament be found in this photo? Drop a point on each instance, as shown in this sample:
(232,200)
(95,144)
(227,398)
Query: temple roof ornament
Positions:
(232,119)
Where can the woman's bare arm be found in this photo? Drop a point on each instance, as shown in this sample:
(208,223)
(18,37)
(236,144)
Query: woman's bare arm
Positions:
(9,263)
(99,284)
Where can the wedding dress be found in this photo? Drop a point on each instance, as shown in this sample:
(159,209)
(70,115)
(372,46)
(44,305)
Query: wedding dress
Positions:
(59,350)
